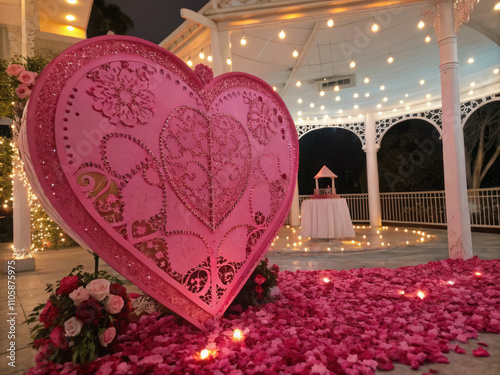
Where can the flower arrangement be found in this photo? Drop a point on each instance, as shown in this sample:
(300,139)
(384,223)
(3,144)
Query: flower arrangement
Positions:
(82,317)
(260,286)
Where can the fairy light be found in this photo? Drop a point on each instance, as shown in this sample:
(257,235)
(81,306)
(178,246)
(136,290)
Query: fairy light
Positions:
(209,58)
(204,354)
(421,24)
(477,273)
(421,294)
(298,83)
(228,61)
(202,55)
(374,27)
(189,62)
(282,34)
(330,22)
(237,335)
(295,53)
(451,282)
(427,38)
(243,40)
(326,280)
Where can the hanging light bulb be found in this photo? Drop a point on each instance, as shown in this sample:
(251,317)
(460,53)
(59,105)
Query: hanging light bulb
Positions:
(299,100)
(282,34)
(298,83)
(336,88)
(366,80)
(374,27)
(243,41)
(427,39)
(228,61)
(421,24)
(295,53)
(209,58)
(352,64)
(355,95)
(202,55)
(390,59)
(189,62)
(330,22)
(321,93)
(422,82)
(382,87)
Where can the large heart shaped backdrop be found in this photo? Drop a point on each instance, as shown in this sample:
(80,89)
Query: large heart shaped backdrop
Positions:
(177,180)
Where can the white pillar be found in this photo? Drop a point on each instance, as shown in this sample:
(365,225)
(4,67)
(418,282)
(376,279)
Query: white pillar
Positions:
(295,210)
(225,51)
(372,171)
(21,215)
(457,208)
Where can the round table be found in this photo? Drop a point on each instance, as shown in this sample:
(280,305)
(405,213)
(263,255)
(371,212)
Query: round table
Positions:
(326,218)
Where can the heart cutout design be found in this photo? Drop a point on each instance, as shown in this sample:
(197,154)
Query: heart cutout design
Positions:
(178,181)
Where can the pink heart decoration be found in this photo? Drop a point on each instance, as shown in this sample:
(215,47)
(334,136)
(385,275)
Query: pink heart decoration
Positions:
(178,181)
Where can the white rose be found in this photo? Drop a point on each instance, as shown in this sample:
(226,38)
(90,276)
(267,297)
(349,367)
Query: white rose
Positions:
(98,288)
(79,295)
(72,327)
(114,304)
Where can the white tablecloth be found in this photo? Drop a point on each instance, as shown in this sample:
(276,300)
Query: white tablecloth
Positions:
(326,218)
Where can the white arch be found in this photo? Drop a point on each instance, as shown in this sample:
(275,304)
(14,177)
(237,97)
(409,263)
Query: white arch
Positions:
(493,99)
(312,127)
(410,118)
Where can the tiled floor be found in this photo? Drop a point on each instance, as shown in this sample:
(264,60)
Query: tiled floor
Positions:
(53,265)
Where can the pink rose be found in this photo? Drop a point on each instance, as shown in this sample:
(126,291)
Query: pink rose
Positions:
(14,69)
(27,77)
(57,338)
(107,336)
(114,304)
(72,327)
(79,295)
(68,284)
(23,91)
(98,288)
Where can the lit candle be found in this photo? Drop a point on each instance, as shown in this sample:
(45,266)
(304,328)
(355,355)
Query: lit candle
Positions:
(238,335)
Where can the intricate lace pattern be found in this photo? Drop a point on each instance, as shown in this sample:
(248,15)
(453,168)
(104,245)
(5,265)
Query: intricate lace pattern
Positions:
(122,94)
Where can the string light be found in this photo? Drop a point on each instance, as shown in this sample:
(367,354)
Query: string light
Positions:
(295,53)
(209,58)
(243,41)
(422,82)
(374,27)
(282,34)
(421,24)
(352,64)
(390,59)
(70,28)
(189,62)
(228,61)
(202,55)
(382,87)
(336,88)
(298,83)
(330,22)
(70,17)
(366,80)
(299,100)
(427,39)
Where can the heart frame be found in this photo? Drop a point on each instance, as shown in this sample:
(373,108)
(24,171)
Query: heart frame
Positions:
(213,177)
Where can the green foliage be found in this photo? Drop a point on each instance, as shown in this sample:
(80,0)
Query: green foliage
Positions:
(107,17)
(6,154)
(248,295)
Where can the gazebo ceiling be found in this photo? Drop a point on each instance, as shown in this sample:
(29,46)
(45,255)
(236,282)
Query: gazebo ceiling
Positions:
(410,83)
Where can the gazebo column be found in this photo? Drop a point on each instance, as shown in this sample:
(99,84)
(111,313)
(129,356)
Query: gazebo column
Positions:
(457,208)
(294,215)
(372,171)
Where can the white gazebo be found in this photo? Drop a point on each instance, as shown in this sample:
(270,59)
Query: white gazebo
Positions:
(361,65)
(325,172)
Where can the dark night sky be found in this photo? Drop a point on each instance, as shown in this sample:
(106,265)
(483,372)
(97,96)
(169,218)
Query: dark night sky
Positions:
(154,20)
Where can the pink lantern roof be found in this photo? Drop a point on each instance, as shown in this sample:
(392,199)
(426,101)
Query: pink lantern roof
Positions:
(325,172)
